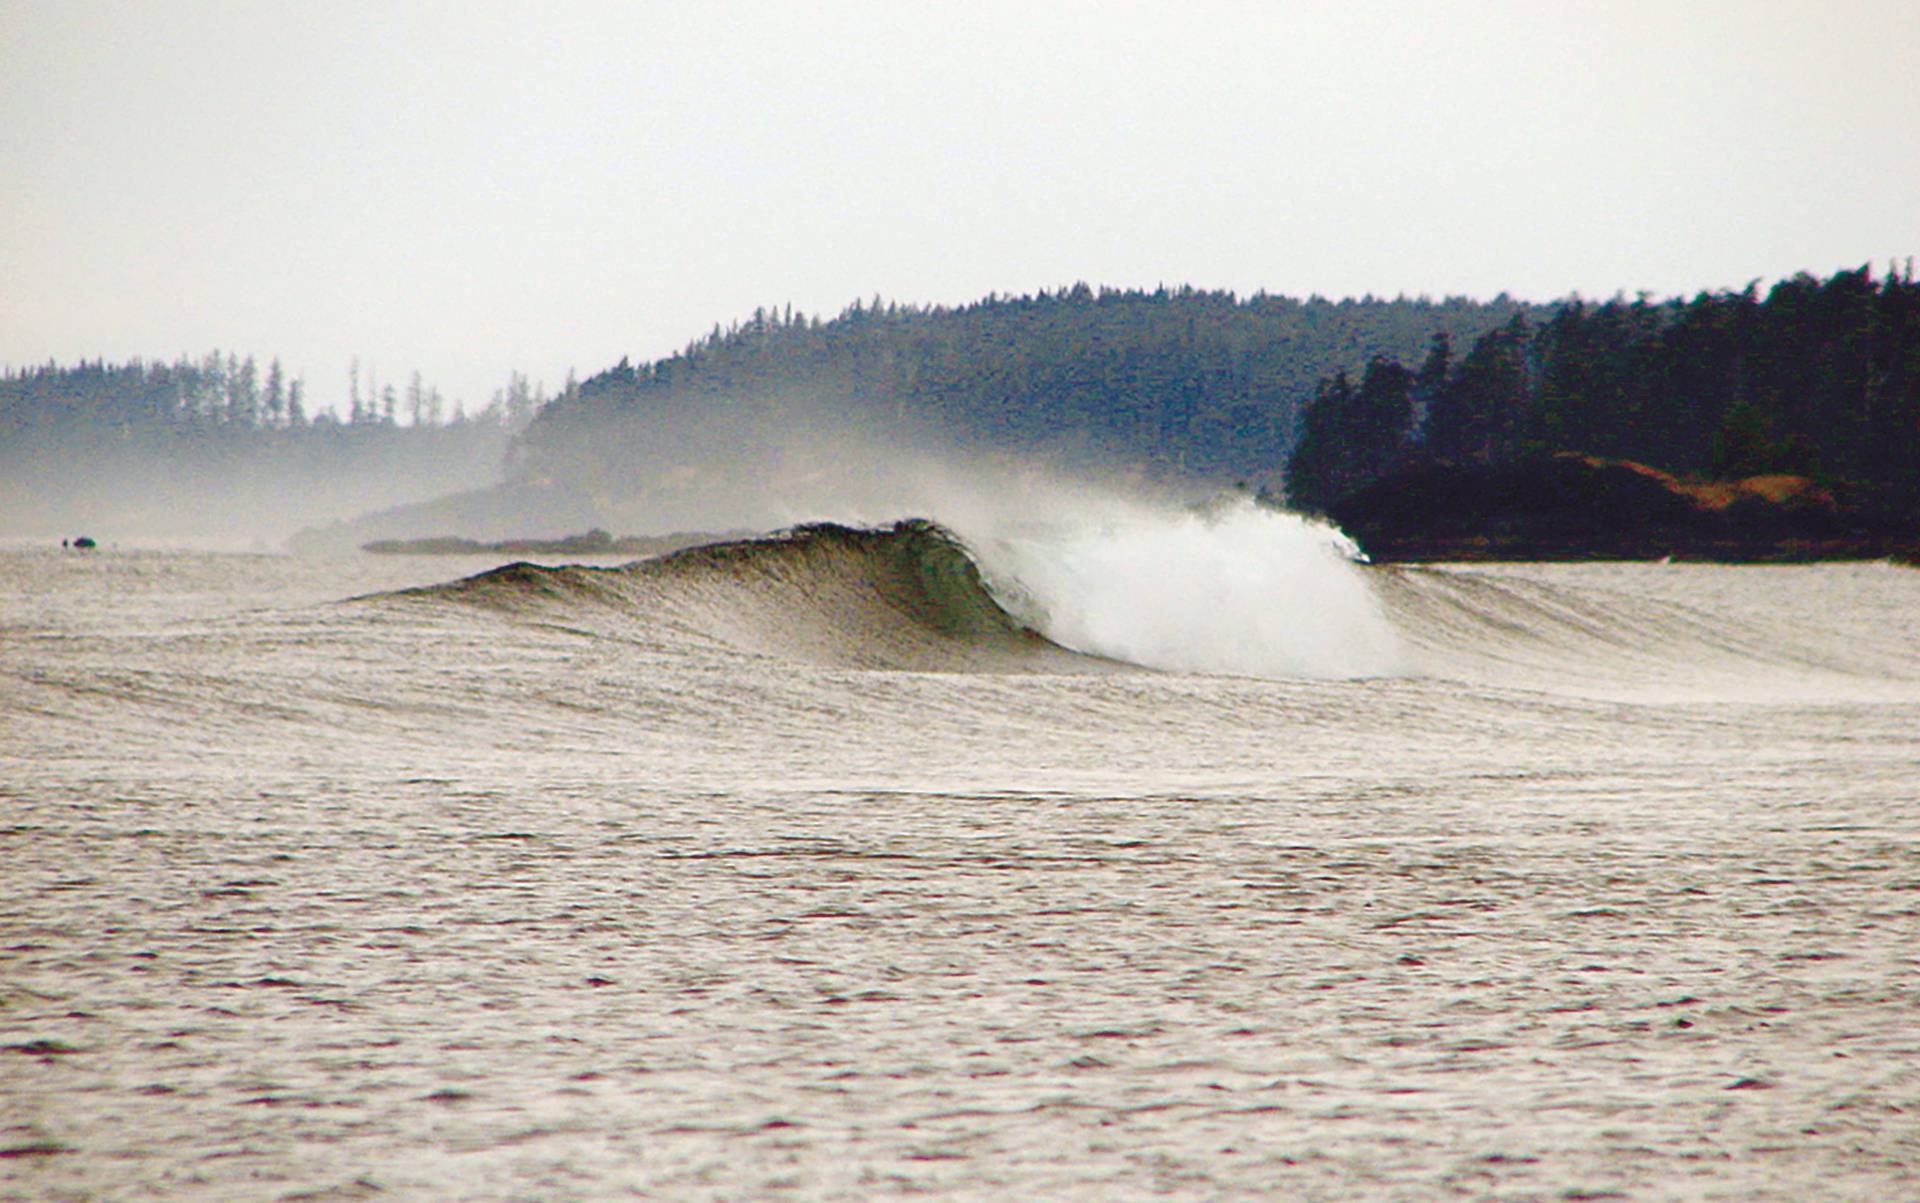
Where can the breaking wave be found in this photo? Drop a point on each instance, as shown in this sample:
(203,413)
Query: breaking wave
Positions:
(1237,589)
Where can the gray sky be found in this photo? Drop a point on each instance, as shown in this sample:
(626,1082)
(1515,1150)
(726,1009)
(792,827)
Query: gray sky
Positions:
(469,187)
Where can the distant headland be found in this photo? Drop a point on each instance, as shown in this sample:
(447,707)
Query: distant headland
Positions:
(1731,426)
(595,542)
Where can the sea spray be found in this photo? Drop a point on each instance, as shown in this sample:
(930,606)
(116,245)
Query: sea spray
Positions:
(1233,588)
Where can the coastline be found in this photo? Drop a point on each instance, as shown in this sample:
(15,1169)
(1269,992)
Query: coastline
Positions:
(1568,507)
(595,542)
(1413,548)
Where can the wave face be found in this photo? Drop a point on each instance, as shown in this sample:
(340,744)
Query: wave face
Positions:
(1238,590)
(908,596)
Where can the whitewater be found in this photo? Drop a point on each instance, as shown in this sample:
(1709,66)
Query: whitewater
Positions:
(1151,851)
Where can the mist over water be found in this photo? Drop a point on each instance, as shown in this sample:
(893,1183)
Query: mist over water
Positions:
(1184,581)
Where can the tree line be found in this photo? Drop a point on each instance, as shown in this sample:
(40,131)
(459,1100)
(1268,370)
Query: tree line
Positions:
(225,394)
(1183,381)
(217,444)
(1817,377)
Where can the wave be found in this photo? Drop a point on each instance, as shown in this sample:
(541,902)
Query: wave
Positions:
(907,596)
(1234,589)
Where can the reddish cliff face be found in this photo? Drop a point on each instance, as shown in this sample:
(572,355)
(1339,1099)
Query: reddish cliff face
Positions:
(1800,494)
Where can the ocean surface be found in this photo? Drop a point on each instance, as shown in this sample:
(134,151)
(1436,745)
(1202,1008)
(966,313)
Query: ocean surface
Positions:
(1175,858)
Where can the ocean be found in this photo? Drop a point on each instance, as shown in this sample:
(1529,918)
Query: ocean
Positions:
(1176,856)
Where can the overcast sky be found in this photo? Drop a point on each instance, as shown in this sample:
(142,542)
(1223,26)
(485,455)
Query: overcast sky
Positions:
(467,188)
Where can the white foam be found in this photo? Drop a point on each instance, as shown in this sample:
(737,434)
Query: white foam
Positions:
(1234,588)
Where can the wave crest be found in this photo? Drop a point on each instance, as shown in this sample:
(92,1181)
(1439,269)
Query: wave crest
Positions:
(1239,589)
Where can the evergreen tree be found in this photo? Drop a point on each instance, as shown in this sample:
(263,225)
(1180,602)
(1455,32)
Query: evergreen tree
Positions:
(1318,467)
(276,395)
(1479,415)
(1352,437)
(1386,414)
(210,403)
(520,406)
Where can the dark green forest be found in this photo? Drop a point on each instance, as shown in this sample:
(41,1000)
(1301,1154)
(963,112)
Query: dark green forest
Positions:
(1182,382)
(1817,378)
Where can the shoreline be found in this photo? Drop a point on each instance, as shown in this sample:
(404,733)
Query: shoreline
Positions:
(1568,507)
(593,543)
(1493,549)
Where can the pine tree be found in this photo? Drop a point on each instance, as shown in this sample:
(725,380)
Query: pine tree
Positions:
(1480,413)
(276,395)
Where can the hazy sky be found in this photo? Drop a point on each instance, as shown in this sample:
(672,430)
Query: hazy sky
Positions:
(468,188)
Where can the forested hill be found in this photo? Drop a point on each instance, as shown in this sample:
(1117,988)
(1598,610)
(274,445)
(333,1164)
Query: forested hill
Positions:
(1727,424)
(1177,381)
(1818,379)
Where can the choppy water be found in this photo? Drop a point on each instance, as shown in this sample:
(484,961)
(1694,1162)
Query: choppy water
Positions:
(805,871)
